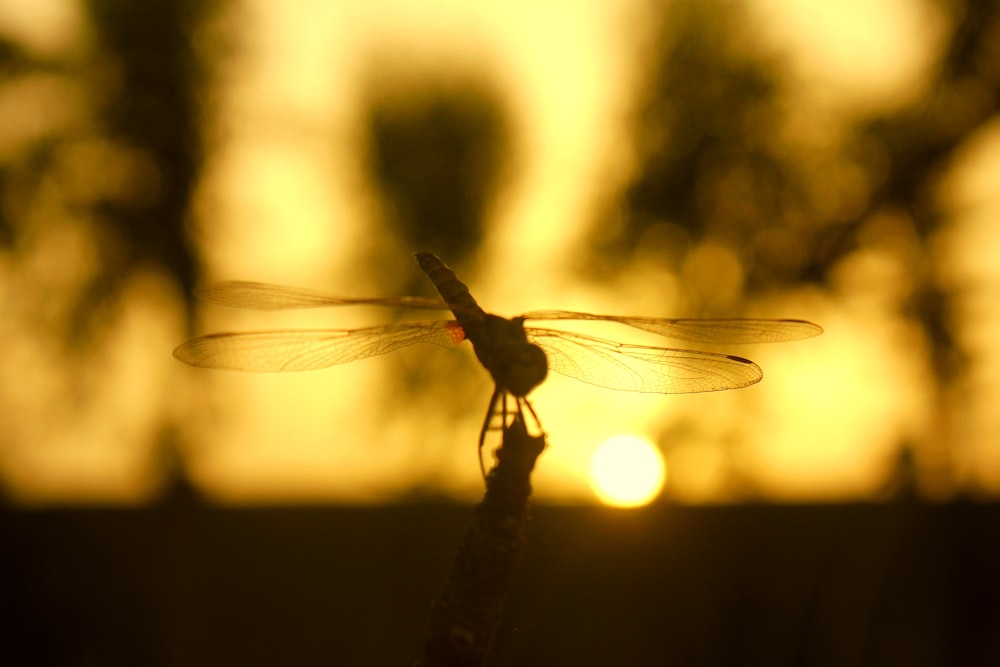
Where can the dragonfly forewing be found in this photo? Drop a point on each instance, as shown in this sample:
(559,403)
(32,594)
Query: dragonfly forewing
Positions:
(641,368)
(722,331)
(305,349)
(264,296)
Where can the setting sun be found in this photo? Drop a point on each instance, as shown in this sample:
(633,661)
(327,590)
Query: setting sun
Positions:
(627,471)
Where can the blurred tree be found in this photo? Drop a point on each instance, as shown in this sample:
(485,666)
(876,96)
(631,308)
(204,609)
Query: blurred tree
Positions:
(153,118)
(437,149)
(708,141)
(917,144)
(100,153)
(717,161)
(108,137)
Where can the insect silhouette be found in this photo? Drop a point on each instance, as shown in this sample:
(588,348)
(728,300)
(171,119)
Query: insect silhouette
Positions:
(517,357)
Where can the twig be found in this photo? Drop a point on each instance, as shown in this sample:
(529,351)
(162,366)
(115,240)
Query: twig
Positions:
(464,619)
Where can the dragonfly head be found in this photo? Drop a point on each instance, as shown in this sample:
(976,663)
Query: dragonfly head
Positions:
(525,368)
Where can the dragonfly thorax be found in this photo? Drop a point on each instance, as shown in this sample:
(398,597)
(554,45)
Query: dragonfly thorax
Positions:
(525,368)
(502,347)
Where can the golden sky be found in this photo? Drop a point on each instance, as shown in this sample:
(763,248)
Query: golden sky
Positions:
(280,201)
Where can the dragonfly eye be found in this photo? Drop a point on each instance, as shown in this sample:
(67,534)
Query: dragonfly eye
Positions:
(526,369)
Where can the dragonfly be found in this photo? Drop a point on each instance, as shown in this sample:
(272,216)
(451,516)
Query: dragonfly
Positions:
(518,357)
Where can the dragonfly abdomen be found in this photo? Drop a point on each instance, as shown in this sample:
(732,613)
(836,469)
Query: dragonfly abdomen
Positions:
(452,290)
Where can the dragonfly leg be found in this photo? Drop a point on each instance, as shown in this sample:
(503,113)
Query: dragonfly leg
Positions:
(499,399)
(497,393)
(522,402)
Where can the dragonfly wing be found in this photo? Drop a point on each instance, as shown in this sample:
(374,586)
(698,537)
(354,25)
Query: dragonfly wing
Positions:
(732,331)
(309,349)
(640,368)
(264,296)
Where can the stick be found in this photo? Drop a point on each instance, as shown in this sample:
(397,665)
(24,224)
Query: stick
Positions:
(464,619)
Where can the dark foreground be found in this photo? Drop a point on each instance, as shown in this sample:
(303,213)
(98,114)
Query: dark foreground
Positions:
(185,584)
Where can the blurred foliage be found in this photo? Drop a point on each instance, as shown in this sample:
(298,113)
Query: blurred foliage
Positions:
(100,153)
(722,159)
(916,145)
(713,160)
(107,144)
(154,116)
(437,152)
(707,137)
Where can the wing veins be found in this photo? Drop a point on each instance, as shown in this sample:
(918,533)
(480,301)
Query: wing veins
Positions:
(730,330)
(310,349)
(641,368)
(265,296)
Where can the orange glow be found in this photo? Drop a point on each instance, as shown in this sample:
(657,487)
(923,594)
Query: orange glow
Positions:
(283,197)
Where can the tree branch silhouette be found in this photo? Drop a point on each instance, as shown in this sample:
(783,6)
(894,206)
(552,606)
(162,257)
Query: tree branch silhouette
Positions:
(464,619)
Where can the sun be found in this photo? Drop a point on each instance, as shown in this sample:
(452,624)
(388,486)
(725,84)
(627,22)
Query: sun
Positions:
(627,471)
